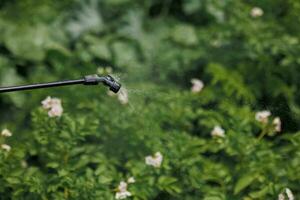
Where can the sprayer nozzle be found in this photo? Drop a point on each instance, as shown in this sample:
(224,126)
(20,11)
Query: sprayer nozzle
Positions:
(106,80)
(112,83)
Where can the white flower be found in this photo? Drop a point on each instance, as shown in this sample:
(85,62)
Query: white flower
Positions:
(197,85)
(122,192)
(218,132)
(6,133)
(53,105)
(50,102)
(277,124)
(123,96)
(281,197)
(123,195)
(56,111)
(155,160)
(263,116)
(289,194)
(122,186)
(256,12)
(6,147)
(46,103)
(131,180)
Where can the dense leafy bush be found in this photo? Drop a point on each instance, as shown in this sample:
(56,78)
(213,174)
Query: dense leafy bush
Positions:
(177,142)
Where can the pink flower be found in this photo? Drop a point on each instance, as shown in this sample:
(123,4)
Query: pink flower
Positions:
(218,132)
(155,160)
(263,116)
(56,111)
(256,12)
(49,102)
(122,192)
(46,103)
(53,105)
(197,85)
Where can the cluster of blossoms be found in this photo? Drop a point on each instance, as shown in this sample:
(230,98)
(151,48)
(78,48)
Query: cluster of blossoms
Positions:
(197,85)
(256,12)
(289,195)
(218,132)
(6,133)
(122,192)
(263,117)
(53,105)
(155,160)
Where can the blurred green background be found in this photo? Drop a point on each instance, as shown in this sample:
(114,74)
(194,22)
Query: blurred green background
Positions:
(245,52)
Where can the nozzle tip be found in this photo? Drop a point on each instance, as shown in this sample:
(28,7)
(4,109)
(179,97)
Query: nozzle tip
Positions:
(113,84)
(115,87)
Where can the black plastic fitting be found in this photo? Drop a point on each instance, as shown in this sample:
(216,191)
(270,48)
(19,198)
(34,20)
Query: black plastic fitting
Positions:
(112,84)
(106,80)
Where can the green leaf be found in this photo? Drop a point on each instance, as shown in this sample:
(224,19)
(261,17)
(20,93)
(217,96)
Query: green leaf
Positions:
(213,198)
(185,35)
(191,6)
(27,42)
(168,184)
(116,2)
(166,180)
(12,180)
(98,47)
(53,165)
(260,193)
(125,54)
(63,173)
(244,182)
(9,77)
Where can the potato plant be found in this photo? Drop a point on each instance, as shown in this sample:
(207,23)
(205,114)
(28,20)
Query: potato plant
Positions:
(209,107)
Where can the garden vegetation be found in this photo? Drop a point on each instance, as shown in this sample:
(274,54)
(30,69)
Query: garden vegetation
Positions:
(209,109)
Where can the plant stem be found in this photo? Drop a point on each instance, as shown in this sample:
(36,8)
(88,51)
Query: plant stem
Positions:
(262,134)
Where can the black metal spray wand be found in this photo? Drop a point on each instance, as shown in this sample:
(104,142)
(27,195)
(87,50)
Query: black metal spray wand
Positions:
(87,80)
